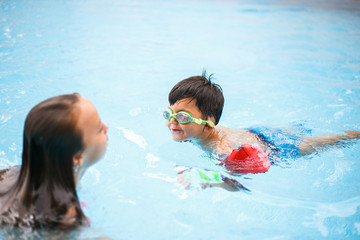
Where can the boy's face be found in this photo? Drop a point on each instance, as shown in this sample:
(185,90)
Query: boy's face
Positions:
(181,132)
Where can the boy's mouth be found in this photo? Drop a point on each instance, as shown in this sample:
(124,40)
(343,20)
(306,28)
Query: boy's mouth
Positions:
(175,130)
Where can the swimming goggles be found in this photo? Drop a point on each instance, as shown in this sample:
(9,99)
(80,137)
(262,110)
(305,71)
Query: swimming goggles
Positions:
(184,117)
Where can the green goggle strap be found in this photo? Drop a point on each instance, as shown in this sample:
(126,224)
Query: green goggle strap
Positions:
(200,121)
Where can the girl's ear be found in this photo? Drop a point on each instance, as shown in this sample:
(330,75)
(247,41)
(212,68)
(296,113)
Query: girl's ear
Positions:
(77,163)
(78,160)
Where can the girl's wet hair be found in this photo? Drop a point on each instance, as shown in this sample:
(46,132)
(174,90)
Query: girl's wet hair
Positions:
(208,95)
(45,189)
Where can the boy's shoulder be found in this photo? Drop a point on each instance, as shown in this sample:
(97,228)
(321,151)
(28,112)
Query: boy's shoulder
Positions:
(228,140)
(232,133)
(231,139)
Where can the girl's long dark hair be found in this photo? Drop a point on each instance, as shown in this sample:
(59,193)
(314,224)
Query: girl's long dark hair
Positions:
(45,191)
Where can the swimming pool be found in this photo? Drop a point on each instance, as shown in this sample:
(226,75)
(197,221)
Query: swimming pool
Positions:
(278,62)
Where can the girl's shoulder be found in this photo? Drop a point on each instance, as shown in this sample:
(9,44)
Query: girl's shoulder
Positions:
(8,177)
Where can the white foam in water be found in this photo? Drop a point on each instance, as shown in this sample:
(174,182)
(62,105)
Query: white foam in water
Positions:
(151,159)
(357,226)
(135,111)
(160,176)
(133,137)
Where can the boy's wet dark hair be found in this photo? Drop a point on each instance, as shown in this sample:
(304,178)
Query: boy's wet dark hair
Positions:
(208,95)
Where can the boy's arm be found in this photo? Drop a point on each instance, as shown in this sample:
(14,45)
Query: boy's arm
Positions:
(184,178)
(227,184)
(315,144)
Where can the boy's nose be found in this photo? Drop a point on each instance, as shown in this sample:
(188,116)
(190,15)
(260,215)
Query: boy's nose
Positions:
(173,121)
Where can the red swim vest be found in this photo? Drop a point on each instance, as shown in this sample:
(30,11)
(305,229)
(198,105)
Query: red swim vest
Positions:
(247,159)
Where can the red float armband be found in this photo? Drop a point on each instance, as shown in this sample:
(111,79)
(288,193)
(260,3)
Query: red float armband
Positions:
(247,159)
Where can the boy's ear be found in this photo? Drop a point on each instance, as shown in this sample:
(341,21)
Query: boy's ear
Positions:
(210,119)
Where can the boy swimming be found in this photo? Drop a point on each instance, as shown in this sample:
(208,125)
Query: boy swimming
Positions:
(193,114)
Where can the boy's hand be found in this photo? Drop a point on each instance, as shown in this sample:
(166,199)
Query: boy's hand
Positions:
(183,179)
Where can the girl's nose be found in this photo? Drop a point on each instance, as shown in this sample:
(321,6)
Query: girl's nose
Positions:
(106,128)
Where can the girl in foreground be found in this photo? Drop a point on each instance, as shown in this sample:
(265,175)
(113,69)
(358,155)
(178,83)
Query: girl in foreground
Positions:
(63,136)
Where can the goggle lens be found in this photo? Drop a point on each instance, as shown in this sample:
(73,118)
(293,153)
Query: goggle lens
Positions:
(183,118)
(167,114)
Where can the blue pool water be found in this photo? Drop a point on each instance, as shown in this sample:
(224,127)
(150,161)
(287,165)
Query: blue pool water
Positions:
(279,62)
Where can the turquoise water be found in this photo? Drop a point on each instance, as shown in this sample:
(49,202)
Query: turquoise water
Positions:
(278,62)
